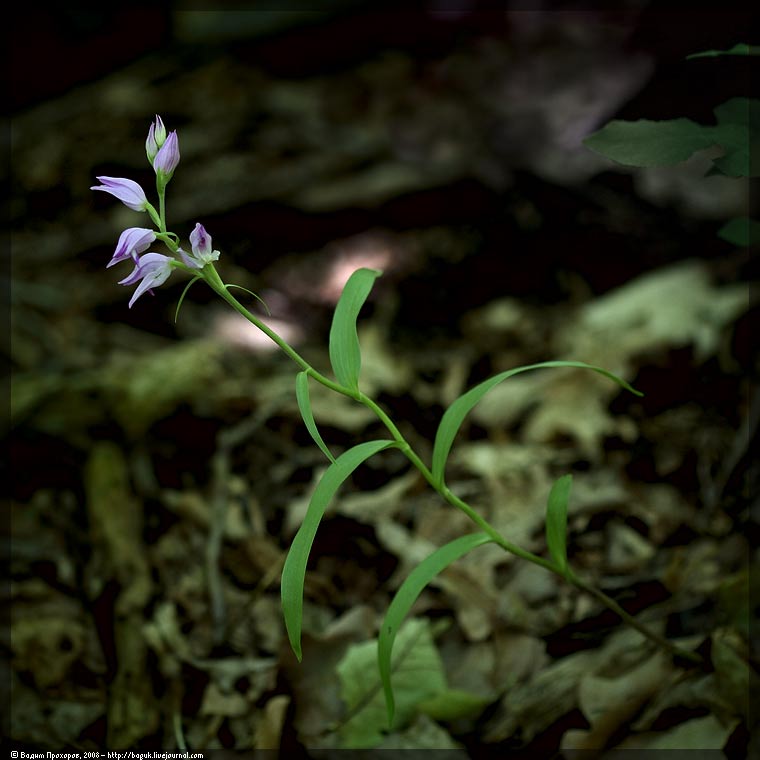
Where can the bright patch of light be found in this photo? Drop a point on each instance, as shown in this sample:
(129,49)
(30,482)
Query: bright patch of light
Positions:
(237,331)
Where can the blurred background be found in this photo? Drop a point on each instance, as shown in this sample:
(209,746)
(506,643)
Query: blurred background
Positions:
(159,469)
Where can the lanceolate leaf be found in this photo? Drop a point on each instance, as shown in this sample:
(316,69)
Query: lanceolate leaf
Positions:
(407,595)
(304,404)
(294,570)
(345,355)
(184,293)
(556,521)
(455,414)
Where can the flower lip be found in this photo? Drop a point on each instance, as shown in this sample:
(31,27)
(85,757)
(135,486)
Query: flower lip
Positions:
(132,241)
(153,269)
(126,190)
(167,158)
(200,241)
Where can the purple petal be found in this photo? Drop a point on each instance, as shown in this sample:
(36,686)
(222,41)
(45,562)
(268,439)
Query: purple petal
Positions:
(159,131)
(153,269)
(132,241)
(200,240)
(189,259)
(127,191)
(167,158)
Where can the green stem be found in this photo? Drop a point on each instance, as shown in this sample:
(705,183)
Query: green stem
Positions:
(161,187)
(215,283)
(212,278)
(640,627)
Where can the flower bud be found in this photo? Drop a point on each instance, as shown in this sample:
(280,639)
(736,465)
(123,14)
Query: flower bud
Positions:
(167,158)
(156,138)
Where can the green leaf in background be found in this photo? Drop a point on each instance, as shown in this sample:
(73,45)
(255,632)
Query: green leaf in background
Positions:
(418,675)
(666,143)
(556,521)
(304,405)
(742,231)
(294,569)
(454,416)
(736,133)
(345,355)
(453,704)
(741,48)
(406,596)
(650,143)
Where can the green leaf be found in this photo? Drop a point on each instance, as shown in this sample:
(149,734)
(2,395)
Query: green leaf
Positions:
(650,143)
(736,133)
(742,231)
(294,569)
(250,292)
(455,414)
(345,355)
(406,596)
(741,48)
(453,704)
(556,521)
(304,405)
(418,675)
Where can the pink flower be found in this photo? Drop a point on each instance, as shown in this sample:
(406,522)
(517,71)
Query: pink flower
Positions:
(167,158)
(153,269)
(127,191)
(202,254)
(132,241)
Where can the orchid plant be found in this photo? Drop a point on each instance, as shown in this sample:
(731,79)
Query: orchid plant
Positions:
(152,269)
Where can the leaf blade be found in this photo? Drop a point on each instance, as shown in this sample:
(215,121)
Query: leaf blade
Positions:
(556,521)
(741,48)
(456,413)
(741,231)
(345,354)
(307,415)
(650,143)
(294,569)
(405,597)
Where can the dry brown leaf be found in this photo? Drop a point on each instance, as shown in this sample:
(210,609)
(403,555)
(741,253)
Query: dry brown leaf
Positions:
(627,551)
(698,734)
(227,703)
(116,522)
(609,703)
(270,722)
(529,708)
(47,647)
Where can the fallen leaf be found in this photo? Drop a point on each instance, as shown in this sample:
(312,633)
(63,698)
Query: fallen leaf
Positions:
(700,733)
(609,703)
(417,674)
(269,724)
